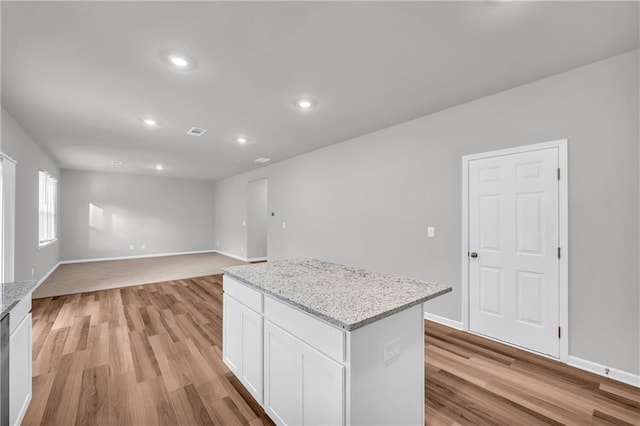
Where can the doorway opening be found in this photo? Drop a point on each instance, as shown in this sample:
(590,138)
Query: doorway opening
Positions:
(257,214)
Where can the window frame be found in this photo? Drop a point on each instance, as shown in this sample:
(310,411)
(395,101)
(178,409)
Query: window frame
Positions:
(47,206)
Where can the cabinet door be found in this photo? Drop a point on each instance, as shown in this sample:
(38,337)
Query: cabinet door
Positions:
(242,344)
(252,352)
(281,376)
(20,371)
(232,338)
(322,389)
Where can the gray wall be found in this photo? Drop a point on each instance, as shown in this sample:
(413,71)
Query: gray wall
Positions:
(30,159)
(368,201)
(257,219)
(102,214)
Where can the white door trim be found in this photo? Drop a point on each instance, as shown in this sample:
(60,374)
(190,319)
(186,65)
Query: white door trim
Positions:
(563,221)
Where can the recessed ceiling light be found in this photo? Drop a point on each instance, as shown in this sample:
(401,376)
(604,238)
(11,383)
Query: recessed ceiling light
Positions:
(242,139)
(149,121)
(159,167)
(262,160)
(178,61)
(305,103)
(116,163)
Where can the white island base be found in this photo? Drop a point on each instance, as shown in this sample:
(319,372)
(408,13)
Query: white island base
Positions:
(305,371)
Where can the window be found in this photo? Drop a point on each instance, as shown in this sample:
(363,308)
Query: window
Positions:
(48,206)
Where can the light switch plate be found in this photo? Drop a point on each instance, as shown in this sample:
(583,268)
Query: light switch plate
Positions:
(431,232)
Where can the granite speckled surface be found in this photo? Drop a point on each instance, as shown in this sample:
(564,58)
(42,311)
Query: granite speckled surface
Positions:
(12,293)
(341,295)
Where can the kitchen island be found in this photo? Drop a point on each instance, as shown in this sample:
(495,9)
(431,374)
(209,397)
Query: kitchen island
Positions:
(320,343)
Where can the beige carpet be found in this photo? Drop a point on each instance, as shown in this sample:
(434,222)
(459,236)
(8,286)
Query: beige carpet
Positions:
(93,276)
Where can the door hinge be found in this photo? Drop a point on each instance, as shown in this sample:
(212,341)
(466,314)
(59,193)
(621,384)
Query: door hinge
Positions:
(559,332)
(558,173)
(558,252)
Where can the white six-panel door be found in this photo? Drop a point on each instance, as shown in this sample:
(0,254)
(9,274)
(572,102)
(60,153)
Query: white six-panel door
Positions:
(513,249)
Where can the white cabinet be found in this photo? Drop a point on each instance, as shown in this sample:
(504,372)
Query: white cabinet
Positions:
(315,373)
(281,393)
(252,352)
(242,344)
(232,334)
(322,336)
(20,368)
(322,381)
(302,385)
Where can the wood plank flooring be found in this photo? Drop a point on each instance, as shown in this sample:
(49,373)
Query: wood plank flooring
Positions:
(151,354)
(141,355)
(473,380)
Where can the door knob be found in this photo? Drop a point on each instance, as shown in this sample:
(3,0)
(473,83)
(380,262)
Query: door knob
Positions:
(474,254)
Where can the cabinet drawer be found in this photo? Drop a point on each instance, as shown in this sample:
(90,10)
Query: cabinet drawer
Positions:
(310,330)
(242,293)
(19,312)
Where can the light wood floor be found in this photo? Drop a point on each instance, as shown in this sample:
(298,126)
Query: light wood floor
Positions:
(151,354)
(472,380)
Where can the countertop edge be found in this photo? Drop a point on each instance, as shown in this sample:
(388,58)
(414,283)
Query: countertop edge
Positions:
(390,312)
(8,309)
(333,321)
(29,288)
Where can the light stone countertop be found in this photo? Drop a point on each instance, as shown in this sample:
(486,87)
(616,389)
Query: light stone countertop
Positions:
(12,293)
(344,296)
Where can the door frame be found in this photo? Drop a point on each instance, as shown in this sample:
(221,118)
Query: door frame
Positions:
(247,225)
(563,224)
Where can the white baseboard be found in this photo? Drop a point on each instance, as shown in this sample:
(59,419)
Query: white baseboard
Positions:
(140,256)
(444,321)
(45,276)
(244,259)
(599,369)
(234,256)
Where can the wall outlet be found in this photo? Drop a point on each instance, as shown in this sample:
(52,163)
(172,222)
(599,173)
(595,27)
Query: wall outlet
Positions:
(242,249)
(244,223)
(217,243)
(131,247)
(142,247)
(33,272)
(284,225)
(431,232)
(391,349)
(606,371)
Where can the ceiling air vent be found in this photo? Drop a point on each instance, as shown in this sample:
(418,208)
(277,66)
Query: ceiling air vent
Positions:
(196,131)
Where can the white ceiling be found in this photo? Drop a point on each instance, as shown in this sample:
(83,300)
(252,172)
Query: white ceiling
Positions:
(80,76)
